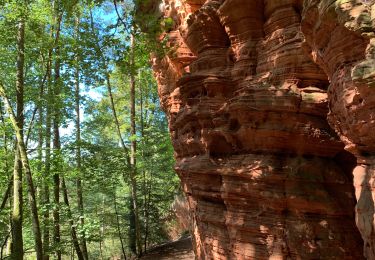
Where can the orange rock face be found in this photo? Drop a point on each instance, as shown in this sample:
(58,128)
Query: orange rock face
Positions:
(247,86)
(340,38)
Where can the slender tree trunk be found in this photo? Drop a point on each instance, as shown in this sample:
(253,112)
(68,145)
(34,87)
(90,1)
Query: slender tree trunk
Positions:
(6,166)
(3,245)
(118,223)
(73,231)
(9,245)
(17,250)
(32,201)
(141,94)
(47,163)
(56,189)
(147,209)
(133,146)
(101,250)
(102,229)
(78,147)
(132,233)
(148,184)
(56,140)
(46,192)
(6,195)
(145,201)
(27,169)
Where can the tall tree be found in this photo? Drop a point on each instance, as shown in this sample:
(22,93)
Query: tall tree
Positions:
(26,166)
(133,145)
(46,199)
(17,250)
(56,132)
(78,140)
(47,162)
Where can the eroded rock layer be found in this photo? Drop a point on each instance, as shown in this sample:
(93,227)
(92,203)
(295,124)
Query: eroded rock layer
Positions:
(340,38)
(246,94)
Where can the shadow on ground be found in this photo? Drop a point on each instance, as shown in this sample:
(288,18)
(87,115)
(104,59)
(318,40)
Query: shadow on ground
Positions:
(181,249)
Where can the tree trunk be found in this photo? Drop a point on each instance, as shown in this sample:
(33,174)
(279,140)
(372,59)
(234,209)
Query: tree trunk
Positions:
(6,166)
(73,231)
(102,229)
(147,212)
(133,147)
(78,147)
(26,167)
(145,191)
(6,195)
(118,223)
(9,244)
(47,163)
(56,140)
(17,250)
(3,245)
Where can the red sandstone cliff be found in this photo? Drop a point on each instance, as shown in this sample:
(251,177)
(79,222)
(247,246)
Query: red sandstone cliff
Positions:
(247,87)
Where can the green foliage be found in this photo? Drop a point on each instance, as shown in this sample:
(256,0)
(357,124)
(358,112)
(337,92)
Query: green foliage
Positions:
(104,170)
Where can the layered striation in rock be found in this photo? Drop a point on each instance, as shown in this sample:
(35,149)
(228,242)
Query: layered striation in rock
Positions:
(340,37)
(246,92)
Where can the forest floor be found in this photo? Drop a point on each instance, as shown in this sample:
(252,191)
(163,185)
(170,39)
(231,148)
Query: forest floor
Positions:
(181,249)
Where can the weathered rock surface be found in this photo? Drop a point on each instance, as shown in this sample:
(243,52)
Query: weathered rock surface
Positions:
(247,87)
(341,38)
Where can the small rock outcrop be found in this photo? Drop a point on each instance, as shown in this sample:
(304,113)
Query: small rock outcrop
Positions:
(271,105)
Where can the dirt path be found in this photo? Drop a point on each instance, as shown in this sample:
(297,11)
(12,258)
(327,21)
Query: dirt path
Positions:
(177,250)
